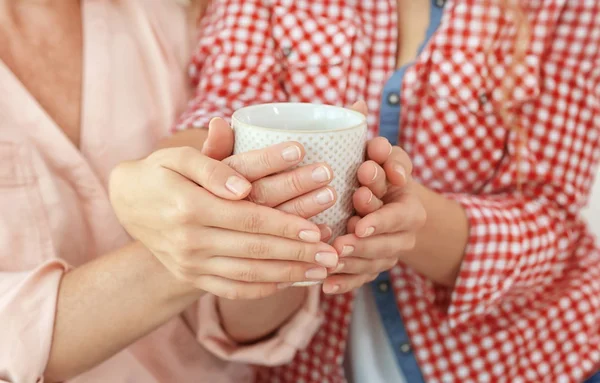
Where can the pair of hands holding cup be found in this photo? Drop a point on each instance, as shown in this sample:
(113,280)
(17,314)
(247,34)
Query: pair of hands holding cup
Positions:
(236,226)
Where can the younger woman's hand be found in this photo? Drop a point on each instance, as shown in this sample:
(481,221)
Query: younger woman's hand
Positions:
(389,214)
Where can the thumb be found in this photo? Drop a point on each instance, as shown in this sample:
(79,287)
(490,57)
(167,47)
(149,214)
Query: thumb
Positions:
(360,106)
(219,143)
(213,175)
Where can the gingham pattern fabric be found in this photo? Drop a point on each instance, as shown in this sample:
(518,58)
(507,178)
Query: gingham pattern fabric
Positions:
(526,305)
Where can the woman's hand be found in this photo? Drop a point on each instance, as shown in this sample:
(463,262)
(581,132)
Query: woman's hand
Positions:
(188,209)
(389,215)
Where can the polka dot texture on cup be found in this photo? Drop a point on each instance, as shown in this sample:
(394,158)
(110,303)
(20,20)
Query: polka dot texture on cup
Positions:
(343,151)
(525,306)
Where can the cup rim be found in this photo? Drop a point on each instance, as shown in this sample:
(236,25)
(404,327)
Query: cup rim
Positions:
(234,118)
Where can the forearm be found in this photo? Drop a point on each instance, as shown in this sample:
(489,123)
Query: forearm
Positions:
(109,303)
(249,321)
(441,243)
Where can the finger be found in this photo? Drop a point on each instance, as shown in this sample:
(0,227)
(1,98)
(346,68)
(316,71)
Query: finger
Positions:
(310,204)
(379,149)
(352,224)
(193,245)
(360,106)
(213,175)
(398,167)
(277,189)
(234,290)
(257,164)
(356,265)
(343,283)
(196,206)
(373,176)
(251,270)
(380,246)
(326,232)
(408,214)
(219,143)
(365,202)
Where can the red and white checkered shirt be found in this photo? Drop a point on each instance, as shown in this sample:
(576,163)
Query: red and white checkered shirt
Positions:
(526,305)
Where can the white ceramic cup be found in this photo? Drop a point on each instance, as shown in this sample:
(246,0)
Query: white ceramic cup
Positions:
(330,134)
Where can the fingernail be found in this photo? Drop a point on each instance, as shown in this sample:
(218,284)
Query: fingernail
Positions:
(282,286)
(400,170)
(317,273)
(327,259)
(309,236)
(391,148)
(326,232)
(237,185)
(347,250)
(370,230)
(331,289)
(321,174)
(370,197)
(291,153)
(324,197)
(339,267)
(374,172)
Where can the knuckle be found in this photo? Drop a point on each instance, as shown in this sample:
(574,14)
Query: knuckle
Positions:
(293,183)
(181,215)
(252,222)
(408,242)
(183,239)
(237,162)
(420,217)
(264,160)
(289,273)
(258,249)
(287,230)
(299,253)
(247,274)
(184,271)
(159,155)
(258,194)
(232,293)
(210,169)
(265,291)
(299,207)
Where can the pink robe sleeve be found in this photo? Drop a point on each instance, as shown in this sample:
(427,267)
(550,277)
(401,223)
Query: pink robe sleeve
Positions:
(276,350)
(27,312)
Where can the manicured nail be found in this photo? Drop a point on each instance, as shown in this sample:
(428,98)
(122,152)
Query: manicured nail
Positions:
(321,174)
(370,230)
(400,170)
(339,267)
(330,289)
(374,172)
(291,153)
(347,250)
(326,232)
(317,273)
(309,236)
(282,286)
(324,197)
(327,259)
(237,185)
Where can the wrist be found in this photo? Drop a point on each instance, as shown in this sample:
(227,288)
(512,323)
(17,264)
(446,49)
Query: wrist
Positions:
(169,287)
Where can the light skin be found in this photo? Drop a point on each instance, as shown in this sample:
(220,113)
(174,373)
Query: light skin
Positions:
(397,213)
(109,303)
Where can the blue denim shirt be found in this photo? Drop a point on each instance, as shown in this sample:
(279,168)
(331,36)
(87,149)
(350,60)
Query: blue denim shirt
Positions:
(382,288)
